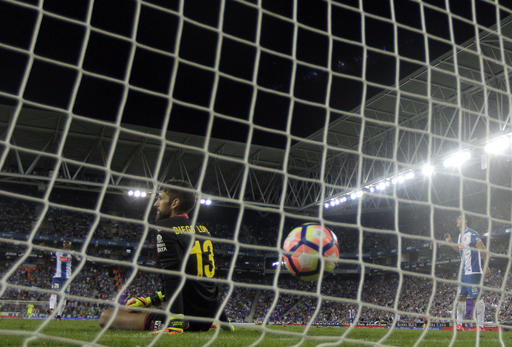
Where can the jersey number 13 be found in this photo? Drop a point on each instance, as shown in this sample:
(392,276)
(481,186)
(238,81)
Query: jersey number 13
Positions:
(204,251)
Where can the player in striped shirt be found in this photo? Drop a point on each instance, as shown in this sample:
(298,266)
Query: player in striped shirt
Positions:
(351,315)
(472,254)
(63,260)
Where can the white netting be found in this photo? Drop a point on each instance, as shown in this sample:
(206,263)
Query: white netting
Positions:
(277,113)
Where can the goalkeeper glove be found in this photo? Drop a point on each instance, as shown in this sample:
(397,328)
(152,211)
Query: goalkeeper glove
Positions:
(140,301)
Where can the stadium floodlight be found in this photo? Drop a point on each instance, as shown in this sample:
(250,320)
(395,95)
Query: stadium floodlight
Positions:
(143,194)
(498,145)
(130,193)
(208,202)
(427,170)
(343,199)
(356,195)
(332,203)
(381,186)
(371,189)
(326,205)
(410,175)
(137,194)
(202,201)
(403,177)
(456,160)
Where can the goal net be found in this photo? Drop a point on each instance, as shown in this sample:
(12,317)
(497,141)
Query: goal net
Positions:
(383,121)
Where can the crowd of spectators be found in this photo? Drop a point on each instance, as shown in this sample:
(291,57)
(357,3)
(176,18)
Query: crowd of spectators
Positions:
(289,301)
(19,216)
(378,290)
(381,294)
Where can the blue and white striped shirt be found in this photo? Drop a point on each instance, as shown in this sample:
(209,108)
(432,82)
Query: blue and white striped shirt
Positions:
(62,265)
(471,258)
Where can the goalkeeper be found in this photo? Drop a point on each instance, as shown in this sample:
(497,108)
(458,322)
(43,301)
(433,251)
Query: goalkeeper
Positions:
(197,298)
(30,310)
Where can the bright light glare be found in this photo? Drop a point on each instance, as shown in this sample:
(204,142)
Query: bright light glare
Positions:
(326,205)
(202,201)
(457,159)
(381,186)
(130,193)
(427,170)
(143,194)
(136,193)
(356,195)
(498,145)
(208,202)
(343,199)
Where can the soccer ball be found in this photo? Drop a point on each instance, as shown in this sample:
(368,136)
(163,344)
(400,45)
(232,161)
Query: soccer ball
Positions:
(302,251)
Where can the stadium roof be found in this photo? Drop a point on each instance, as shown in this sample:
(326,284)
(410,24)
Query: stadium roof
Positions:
(456,114)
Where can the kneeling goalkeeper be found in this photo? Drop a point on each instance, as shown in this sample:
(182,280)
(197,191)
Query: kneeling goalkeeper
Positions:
(197,298)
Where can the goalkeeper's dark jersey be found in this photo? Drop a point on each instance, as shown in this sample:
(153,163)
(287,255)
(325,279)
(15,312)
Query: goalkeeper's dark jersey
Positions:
(199,297)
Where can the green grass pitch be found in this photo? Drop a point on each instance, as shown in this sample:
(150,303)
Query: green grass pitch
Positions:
(14,332)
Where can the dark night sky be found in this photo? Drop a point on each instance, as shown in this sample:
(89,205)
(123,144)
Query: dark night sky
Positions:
(98,98)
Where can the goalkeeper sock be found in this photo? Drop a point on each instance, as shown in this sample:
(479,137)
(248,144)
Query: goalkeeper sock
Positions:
(461,311)
(177,323)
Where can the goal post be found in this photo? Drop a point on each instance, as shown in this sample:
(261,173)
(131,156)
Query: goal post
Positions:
(383,122)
